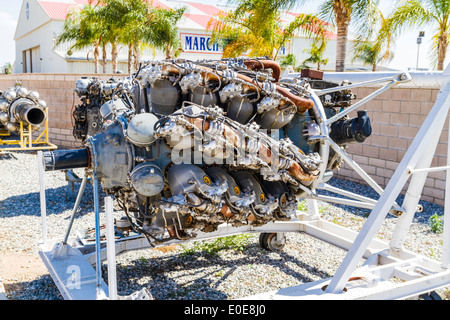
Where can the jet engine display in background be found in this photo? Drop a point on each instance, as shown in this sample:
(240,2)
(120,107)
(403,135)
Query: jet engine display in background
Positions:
(18,104)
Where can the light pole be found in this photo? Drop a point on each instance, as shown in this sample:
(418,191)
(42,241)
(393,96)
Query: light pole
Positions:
(419,41)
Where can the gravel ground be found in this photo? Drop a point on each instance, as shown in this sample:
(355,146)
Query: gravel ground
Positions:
(181,272)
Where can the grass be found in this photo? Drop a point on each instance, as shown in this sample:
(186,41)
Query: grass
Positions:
(302,206)
(236,242)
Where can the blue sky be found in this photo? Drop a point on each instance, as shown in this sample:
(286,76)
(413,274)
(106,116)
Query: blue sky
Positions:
(9,12)
(405,51)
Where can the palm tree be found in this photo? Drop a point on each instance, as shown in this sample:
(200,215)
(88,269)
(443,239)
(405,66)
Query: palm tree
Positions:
(371,53)
(374,47)
(415,13)
(162,31)
(136,24)
(362,13)
(7,67)
(256,26)
(84,28)
(128,22)
(367,52)
(316,53)
(113,15)
(288,60)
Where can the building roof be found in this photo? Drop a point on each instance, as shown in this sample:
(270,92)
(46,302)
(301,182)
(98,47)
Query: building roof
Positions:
(196,17)
(58,10)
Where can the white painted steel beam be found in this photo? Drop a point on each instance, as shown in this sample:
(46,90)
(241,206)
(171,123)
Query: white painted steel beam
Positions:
(446,232)
(42,197)
(432,125)
(418,78)
(432,79)
(111,249)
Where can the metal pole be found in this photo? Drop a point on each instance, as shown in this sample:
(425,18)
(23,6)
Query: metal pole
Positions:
(111,249)
(446,234)
(349,194)
(75,208)
(418,47)
(42,196)
(324,148)
(413,194)
(342,114)
(372,183)
(313,208)
(321,92)
(97,233)
(347,202)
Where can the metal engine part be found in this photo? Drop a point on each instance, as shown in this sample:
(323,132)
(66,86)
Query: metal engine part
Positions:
(185,146)
(18,104)
(93,94)
(352,130)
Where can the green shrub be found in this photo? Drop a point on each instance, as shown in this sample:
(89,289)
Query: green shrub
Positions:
(436,223)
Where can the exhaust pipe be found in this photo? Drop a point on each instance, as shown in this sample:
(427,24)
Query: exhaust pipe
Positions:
(66,159)
(17,105)
(28,112)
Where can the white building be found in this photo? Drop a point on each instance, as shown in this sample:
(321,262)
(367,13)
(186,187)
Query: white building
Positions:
(41,21)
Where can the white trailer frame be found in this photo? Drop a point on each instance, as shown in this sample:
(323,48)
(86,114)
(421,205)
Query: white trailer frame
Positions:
(389,271)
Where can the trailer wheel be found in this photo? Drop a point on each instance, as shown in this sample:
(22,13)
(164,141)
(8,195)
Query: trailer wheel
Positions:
(272,241)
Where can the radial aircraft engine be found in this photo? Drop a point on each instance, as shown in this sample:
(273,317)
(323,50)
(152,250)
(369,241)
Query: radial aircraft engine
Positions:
(18,104)
(186,146)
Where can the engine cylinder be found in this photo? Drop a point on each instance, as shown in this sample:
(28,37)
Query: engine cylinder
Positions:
(275,119)
(165,97)
(248,182)
(140,129)
(203,96)
(218,173)
(147,179)
(240,109)
(184,178)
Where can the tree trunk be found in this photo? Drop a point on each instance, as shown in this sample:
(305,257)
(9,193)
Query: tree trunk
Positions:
(168,52)
(96,57)
(137,56)
(104,57)
(343,15)
(130,57)
(114,55)
(442,50)
(341,46)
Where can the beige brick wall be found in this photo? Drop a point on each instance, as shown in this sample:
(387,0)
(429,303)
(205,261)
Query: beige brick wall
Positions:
(396,116)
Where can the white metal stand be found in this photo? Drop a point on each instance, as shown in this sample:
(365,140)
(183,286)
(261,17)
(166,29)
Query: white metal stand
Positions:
(389,271)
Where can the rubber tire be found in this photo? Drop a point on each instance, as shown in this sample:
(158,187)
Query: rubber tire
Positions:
(262,240)
(268,241)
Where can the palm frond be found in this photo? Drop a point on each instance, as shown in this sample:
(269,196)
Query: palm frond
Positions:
(415,13)
(326,12)
(256,26)
(410,13)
